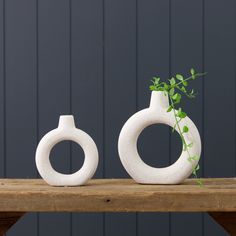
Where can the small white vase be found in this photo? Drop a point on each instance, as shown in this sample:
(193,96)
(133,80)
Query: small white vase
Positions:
(66,131)
(127,144)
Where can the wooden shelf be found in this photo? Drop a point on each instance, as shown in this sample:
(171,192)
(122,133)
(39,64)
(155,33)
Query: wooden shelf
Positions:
(118,195)
(217,196)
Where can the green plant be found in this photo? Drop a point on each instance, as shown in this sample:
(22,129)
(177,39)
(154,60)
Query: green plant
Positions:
(173,89)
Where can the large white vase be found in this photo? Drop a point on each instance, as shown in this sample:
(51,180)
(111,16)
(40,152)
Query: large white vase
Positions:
(157,113)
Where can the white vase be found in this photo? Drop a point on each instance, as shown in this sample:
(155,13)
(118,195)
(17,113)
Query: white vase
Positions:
(157,113)
(66,131)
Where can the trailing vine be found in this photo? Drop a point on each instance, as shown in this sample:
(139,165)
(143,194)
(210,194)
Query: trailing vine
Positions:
(173,89)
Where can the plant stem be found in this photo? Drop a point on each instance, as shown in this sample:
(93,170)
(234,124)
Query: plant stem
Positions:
(177,122)
(190,77)
(182,137)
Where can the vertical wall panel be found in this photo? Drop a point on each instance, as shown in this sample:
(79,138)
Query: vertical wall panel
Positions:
(219,108)
(120,81)
(54,93)
(152,60)
(2,83)
(87,93)
(20,98)
(186,52)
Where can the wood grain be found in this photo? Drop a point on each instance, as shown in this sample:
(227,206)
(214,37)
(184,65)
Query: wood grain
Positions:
(118,195)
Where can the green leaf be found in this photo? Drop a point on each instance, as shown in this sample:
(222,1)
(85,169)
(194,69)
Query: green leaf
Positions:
(156,80)
(180,110)
(166,86)
(177,102)
(172,91)
(152,87)
(169,108)
(179,77)
(181,114)
(160,89)
(172,81)
(185,83)
(183,89)
(176,96)
(192,71)
(185,129)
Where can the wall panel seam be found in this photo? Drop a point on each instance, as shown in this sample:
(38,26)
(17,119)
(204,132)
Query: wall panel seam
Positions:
(170,71)
(136,91)
(103,108)
(37,94)
(4,89)
(203,101)
(70,95)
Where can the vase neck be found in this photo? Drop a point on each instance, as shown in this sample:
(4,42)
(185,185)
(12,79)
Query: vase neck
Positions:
(159,99)
(66,121)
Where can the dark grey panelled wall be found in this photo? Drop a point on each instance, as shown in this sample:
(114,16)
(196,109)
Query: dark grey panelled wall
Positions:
(94,59)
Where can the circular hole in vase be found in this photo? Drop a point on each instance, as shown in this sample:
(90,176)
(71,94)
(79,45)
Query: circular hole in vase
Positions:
(67,157)
(158,146)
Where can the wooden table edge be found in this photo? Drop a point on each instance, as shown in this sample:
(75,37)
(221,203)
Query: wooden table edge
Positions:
(218,199)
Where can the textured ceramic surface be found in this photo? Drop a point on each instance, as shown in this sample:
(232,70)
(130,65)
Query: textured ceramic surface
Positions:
(127,144)
(66,131)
